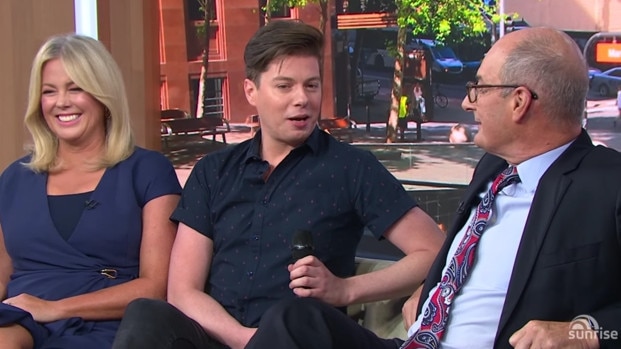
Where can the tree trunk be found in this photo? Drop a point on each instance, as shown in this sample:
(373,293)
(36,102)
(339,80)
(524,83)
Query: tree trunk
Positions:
(203,105)
(268,12)
(323,4)
(397,88)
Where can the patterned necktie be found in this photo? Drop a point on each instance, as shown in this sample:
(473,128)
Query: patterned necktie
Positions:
(436,313)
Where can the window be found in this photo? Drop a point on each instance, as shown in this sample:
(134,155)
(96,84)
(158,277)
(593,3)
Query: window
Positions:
(195,31)
(284,12)
(195,39)
(195,13)
(364,6)
(215,99)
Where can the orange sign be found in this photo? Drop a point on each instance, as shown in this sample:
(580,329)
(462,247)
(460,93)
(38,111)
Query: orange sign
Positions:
(607,52)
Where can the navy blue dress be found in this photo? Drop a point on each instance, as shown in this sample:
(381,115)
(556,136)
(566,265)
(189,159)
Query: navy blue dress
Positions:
(107,236)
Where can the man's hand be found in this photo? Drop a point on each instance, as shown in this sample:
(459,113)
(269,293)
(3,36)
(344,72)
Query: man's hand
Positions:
(409,308)
(551,335)
(310,278)
(41,310)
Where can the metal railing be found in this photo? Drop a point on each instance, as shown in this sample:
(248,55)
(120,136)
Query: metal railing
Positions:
(214,107)
(433,184)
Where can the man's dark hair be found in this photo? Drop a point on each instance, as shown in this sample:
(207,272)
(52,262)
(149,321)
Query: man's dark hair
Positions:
(278,39)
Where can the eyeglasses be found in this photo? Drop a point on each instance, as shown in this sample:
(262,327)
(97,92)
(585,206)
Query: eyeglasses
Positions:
(472,90)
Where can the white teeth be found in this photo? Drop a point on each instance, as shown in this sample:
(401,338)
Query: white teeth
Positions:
(66,118)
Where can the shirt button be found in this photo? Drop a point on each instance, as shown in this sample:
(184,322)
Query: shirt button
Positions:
(264,202)
(256,238)
(250,274)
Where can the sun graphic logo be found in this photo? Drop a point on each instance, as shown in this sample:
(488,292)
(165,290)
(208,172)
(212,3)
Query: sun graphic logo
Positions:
(586,327)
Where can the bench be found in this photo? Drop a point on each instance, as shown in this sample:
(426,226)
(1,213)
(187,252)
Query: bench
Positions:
(252,121)
(176,123)
(381,317)
(339,127)
(168,114)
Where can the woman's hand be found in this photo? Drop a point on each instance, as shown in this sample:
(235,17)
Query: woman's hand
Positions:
(41,310)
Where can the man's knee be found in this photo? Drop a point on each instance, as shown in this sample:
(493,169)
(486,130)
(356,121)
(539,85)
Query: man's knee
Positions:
(294,305)
(145,323)
(293,310)
(148,311)
(299,320)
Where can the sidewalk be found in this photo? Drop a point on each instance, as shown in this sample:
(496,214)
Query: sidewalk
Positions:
(432,160)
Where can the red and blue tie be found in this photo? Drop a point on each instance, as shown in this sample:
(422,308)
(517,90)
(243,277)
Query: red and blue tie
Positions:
(436,313)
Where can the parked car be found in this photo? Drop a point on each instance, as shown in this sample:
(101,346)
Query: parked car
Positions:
(606,83)
(380,59)
(366,89)
(443,57)
(593,71)
(470,69)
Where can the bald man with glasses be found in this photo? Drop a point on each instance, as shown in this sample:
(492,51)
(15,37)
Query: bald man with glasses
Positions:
(533,258)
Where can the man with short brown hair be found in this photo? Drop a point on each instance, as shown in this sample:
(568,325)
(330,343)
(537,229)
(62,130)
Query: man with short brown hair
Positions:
(231,259)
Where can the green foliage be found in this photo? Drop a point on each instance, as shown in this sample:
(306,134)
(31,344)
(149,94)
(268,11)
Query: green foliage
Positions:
(203,7)
(200,31)
(275,5)
(442,19)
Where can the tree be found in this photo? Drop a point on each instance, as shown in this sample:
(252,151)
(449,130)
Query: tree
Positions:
(268,9)
(440,19)
(205,31)
(272,5)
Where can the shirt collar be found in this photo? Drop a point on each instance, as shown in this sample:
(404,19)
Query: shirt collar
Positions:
(313,143)
(531,170)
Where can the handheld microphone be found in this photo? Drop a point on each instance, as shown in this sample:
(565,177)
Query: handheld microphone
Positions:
(301,244)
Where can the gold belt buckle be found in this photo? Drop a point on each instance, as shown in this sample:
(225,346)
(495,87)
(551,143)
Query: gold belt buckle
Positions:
(109,273)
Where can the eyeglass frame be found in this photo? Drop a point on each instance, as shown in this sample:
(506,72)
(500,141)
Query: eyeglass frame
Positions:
(471,85)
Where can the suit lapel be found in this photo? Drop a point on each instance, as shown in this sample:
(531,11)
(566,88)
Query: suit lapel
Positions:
(548,196)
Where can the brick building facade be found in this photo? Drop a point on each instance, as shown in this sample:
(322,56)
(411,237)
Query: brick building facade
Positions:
(234,22)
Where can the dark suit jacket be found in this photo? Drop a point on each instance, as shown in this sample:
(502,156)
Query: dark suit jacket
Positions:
(569,259)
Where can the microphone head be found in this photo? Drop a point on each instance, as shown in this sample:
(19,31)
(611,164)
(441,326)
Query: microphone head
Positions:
(301,244)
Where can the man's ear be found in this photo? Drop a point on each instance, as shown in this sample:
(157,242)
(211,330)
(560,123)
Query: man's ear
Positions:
(521,103)
(250,89)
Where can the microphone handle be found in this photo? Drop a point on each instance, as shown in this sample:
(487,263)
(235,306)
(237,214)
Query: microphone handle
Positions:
(300,251)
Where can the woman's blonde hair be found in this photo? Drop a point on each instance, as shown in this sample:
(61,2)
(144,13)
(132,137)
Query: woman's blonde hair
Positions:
(91,67)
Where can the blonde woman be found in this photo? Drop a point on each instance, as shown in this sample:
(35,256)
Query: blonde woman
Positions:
(84,217)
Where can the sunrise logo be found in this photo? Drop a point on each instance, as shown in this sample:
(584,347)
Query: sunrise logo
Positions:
(586,327)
